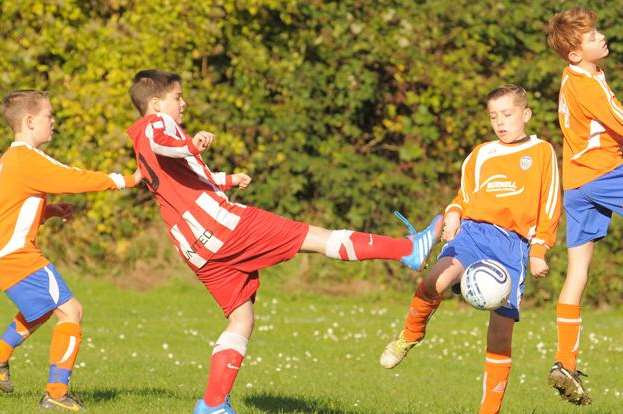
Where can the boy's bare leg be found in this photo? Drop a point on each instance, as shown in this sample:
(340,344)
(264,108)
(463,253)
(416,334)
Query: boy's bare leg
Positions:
(228,354)
(242,320)
(563,375)
(578,261)
(316,240)
(446,272)
(423,304)
(69,312)
(497,362)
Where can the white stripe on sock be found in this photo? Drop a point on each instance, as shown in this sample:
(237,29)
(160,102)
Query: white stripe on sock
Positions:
(70,349)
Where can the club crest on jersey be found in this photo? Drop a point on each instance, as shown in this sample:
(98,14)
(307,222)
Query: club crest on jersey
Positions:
(525,162)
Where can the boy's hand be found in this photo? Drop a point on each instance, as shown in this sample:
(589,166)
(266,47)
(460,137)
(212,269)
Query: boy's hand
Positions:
(63,210)
(241,180)
(203,139)
(451,224)
(538,267)
(137,176)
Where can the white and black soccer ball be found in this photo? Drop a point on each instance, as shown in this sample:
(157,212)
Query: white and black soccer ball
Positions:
(486,284)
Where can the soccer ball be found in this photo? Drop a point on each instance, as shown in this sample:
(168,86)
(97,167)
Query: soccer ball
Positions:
(486,284)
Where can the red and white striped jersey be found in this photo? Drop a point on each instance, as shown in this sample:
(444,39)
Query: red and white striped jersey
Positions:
(199,216)
(591,119)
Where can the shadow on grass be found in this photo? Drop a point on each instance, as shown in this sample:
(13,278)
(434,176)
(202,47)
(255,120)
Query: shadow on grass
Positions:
(109,393)
(272,403)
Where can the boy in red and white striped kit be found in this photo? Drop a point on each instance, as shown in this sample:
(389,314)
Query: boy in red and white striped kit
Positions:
(225,243)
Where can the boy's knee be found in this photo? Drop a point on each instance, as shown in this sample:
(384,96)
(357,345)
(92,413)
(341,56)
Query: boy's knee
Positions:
(76,311)
(70,311)
(242,322)
(428,290)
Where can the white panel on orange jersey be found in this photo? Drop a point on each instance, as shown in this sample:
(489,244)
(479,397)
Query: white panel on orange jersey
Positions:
(25,219)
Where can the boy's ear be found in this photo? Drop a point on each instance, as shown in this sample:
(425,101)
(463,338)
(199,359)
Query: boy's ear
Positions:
(154,103)
(27,122)
(574,57)
(527,114)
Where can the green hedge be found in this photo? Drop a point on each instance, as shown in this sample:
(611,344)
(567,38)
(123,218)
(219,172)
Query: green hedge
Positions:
(341,110)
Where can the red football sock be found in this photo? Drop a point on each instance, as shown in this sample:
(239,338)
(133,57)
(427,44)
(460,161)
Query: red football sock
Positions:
(350,245)
(227,358)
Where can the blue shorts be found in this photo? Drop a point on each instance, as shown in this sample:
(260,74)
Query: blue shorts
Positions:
(478,240)
(589,208)
(39,293)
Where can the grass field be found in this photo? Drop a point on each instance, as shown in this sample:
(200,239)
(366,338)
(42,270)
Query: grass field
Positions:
(148,352)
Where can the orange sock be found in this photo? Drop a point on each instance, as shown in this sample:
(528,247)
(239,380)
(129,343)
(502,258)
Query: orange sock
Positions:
(569,326)
(66,339)
(497,370)
(6,351)
(420,311)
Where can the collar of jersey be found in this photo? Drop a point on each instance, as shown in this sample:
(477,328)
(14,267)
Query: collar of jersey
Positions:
(582,71)
(20,144)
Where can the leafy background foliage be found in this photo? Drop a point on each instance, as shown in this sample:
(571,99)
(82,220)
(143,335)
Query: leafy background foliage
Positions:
(342,111)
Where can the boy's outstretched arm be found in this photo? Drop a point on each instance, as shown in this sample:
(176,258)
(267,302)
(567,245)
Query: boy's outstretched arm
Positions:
(45,174)
(227,181)
(165,139)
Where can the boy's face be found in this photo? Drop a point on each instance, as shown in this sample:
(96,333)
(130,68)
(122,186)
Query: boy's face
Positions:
(172,103)
(40,126)
(508,119)
(594,48)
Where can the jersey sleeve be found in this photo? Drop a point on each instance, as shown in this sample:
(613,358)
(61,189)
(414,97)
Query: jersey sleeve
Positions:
(166,139)
(597,101)
(467,183)
(549,206)
(223,180)
(47,175)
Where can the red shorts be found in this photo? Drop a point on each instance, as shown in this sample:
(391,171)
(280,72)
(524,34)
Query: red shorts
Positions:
(262,239)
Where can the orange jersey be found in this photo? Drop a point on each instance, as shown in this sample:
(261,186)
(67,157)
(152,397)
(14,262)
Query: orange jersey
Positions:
(27,175)
(591,119)
(515,186)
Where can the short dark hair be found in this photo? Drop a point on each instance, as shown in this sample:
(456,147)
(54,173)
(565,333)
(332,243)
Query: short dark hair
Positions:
(151,83)
(520,95)
(18,104)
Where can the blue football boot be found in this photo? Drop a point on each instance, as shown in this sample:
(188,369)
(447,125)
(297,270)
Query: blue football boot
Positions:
(202,408)
(423,241)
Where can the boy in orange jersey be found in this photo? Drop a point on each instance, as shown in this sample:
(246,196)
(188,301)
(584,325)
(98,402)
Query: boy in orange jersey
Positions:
(591,119)
(27,175)
(507,209)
